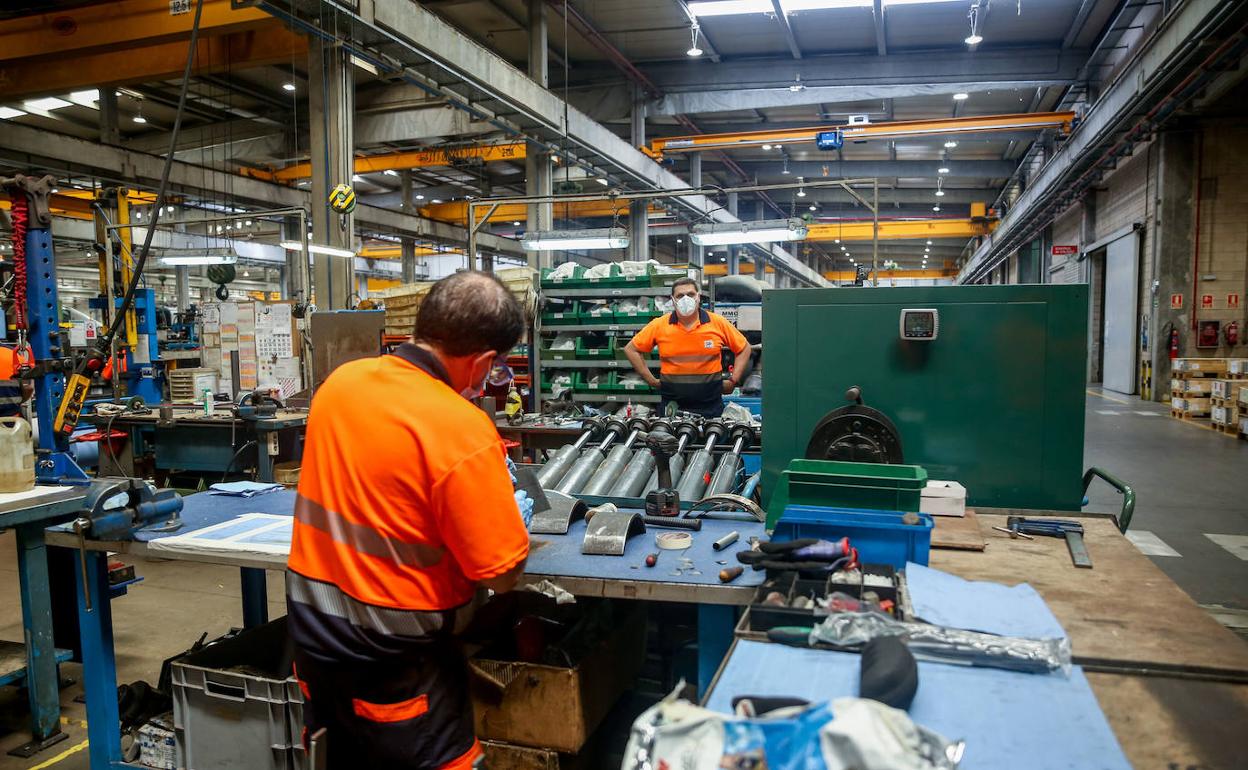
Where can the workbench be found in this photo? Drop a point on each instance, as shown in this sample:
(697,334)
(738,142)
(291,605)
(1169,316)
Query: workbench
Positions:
(538,436)
(29,514)
(193,441)
(552,557)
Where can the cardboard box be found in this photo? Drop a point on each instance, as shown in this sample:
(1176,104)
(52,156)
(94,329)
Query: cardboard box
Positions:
(1237,366)
(1222,388)
(1221,415)
(1199,387)
(550,707)
(1176,402)
(1196,406)
(943,498)
(1243,394)
(1202,365)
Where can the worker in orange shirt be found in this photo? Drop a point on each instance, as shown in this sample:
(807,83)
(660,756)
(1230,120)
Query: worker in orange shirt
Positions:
(405,509)
(14,392)
(690,340)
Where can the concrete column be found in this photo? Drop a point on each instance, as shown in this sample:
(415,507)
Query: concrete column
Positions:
(697,257)
(638,211)
(407,246)
(109,133)
(182,283)
(331,103)
(1175,211)
(734,252)
(538,171)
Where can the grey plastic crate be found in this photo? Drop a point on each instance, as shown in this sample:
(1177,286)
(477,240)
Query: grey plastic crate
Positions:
(231,704)
(294,712)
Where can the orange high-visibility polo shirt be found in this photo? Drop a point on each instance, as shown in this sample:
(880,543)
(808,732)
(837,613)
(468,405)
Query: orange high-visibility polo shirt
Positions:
(690,363)
(404,504)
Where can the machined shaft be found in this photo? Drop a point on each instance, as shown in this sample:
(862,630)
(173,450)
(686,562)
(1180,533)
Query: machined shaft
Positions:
(583,469)
(557,467)
(694,480)
(632,481)
(726,472)
(605,476)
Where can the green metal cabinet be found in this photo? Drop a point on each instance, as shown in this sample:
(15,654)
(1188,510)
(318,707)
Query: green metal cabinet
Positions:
(995,402)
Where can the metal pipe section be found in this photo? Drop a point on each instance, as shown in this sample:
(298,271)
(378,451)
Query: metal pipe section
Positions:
(725,476)
(611,468)
(696,476)
(632,481)
(590,459)
(556,467)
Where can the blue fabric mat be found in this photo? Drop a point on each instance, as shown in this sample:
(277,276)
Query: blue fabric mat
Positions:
(1008,719)
(948,600)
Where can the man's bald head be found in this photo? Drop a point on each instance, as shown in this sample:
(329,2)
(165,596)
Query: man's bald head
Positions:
(469,313)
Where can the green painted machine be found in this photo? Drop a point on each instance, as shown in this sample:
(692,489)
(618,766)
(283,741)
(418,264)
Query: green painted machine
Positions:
(979,384)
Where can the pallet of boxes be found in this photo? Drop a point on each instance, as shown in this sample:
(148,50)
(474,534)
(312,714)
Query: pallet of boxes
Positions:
(401,303)
(1191,387)
(1224,398)
(1237,374)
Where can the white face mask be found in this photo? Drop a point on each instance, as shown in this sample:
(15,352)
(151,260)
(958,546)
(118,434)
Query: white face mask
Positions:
(686,305)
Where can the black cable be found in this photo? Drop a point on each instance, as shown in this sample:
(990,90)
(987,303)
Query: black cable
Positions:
(230,464)
(127,301)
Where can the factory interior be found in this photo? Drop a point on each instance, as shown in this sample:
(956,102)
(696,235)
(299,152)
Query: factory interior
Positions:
(653,385)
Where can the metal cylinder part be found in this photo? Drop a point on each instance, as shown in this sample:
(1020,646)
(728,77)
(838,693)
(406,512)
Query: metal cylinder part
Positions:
(604,477)
(725,476)
(632,481)
(697,473)
(555,468)
(580,472)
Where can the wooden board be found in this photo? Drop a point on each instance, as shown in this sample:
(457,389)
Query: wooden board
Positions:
(959,532)
(1124,609)
(1175,723)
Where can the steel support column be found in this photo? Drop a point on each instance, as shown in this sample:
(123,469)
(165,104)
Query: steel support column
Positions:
(407,246)
(697,258)
(537,164)
(109,132)
(331,103)
(182,282)
(638,211)
(734,252)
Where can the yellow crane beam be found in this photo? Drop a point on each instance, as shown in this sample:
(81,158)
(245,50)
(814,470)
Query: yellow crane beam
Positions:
(863,132)
(396,252)
(117,26)
(76,204)
(395,161)
(457,211)
(900,230)
(267,44)
(718,270)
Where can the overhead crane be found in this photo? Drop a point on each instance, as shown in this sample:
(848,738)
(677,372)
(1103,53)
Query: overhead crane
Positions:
(858,132)
(397,161)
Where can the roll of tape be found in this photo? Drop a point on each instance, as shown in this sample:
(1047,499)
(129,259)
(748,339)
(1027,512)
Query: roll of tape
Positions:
(673,541)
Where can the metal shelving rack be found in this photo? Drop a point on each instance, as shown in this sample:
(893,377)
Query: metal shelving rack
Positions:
(606,292)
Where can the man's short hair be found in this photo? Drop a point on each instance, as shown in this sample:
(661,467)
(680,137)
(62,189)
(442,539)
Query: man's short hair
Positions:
(468,313)
(685,282)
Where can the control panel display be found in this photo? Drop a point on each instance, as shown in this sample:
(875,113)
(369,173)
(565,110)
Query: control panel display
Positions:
(920,324)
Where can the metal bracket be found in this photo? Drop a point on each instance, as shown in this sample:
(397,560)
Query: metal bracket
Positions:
(562,510)
(37,191)
(608,532)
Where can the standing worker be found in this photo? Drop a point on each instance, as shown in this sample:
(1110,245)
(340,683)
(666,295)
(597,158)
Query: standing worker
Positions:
(690,340)
(405,510)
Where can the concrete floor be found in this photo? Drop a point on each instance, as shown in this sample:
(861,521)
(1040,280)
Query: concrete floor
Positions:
(1190,482)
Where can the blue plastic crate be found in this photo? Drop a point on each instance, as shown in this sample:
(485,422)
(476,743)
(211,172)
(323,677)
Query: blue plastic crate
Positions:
(879,536)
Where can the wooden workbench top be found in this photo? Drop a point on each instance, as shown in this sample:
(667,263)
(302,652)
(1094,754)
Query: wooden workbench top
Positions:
(1124,610)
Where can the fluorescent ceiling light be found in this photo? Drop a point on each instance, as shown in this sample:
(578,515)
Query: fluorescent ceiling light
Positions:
(729,7)
(565,240)
(764,231)
(201,258)
(602,181)
(316,248)
(288,86)
(8,112)
(974,39)
(940,193)
(390,172)
(86,98)
(46,103)
(960,97)
(942,170)
(139,119)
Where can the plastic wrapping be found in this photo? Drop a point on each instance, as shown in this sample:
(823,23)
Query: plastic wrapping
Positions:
(947,645)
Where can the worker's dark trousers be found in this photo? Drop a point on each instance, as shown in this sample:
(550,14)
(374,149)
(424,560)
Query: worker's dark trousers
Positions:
(713,409)
(410,714)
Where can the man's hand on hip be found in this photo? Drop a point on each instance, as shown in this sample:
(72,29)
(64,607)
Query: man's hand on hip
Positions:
(729,386)
(651,380)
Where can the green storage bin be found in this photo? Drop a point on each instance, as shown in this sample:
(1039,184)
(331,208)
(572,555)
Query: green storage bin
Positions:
(612,278)
(547,382)
(568,316)
(657,279)
(581,383)
(627,338)
(603,317)
(547,353)
(638,316)
(836,484)
(618,387)
(586,352)
(576,280)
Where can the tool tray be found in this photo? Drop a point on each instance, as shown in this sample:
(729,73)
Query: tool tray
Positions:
(887,582)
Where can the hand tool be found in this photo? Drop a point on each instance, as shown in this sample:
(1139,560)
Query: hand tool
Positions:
(257,404)
(725,476)
(581,471)
(604,478)
(555,468)
(633,481)
(1071,530)
(663,500)
(686,431)
(673,522)
(729,574)
(1013,533)
(805,555)
(725,541)
(697,472)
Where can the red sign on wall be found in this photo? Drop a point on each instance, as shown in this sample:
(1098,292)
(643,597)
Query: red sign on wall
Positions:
(1206,301)
(1232,301)
(1176,301)
(1064,251)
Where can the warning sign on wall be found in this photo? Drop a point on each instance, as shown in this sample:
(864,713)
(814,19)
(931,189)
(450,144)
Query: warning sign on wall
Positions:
(1176,301)
(1206,301)
(1232,301)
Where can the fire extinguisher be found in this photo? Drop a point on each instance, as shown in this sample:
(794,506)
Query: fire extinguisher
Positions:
(1174,342)
(1230,333)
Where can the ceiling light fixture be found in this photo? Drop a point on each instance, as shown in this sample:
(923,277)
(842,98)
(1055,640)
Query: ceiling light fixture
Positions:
(974,38)
(138,118)
(435,200)
(762,231)
(766,146)
(390,172)
(694,49)
(961,97)
(936,207)
(797,86)
(316,248)
(564,240)
(801,191)
(420,197)
(8,112)
(209,258)
(949,145)
(86,98)
(813,207)
(785,170)
(45,104)
(942,170)
(288,86)
(602,181)
(940,193)
(515,224)
(357,178)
